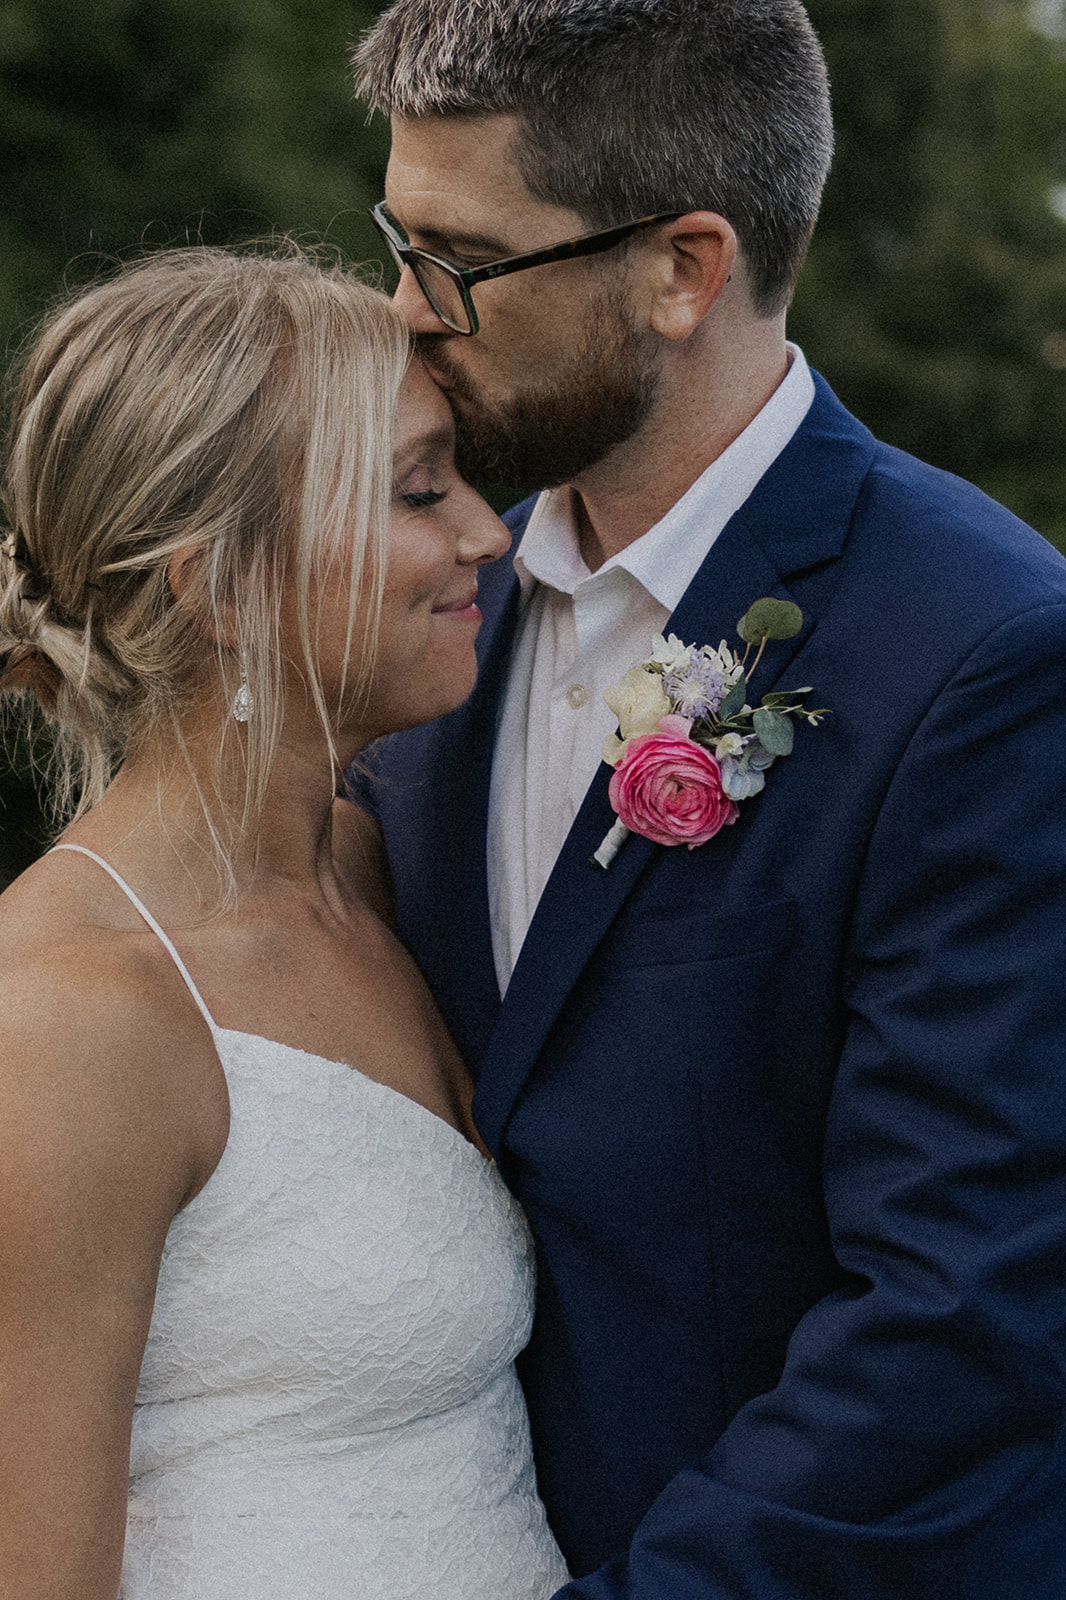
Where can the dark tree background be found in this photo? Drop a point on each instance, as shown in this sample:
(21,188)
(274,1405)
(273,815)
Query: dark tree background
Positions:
(934,299)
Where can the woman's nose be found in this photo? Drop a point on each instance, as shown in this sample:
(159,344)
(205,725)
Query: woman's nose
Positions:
(483,537)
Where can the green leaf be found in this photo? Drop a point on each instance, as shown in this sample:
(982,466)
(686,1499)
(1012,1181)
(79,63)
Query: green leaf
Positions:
(734,700)
(770,619)
(775,732)
(784,697)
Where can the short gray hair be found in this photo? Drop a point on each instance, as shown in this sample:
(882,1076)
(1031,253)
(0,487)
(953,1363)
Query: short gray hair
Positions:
(633,107)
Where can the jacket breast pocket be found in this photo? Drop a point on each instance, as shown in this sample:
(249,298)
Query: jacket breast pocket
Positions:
(662,936)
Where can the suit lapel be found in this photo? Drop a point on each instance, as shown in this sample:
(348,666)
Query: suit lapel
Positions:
(785,542)
(437,837)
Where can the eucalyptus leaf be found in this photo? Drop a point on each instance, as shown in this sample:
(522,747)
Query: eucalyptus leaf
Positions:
(770,619)
(787,697)
(783,697)
(734,700)
(774,730)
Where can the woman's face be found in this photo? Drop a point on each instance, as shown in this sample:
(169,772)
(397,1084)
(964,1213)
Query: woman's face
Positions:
(441,531)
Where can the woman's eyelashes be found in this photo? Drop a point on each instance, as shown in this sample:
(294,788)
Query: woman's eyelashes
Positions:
(418,489)
(420,498)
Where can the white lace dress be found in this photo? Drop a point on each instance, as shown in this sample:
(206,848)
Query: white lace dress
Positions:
(328,1408)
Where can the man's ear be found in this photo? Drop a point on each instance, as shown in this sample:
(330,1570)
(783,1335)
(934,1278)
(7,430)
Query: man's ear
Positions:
(696,263)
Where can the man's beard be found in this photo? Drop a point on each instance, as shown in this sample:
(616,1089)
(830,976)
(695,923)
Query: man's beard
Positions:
(544,437)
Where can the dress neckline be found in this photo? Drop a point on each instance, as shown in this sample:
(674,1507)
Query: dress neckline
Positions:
(242,1033)
(357,1072)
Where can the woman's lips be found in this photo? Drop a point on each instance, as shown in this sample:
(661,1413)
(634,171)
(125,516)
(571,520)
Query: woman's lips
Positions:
(464,608)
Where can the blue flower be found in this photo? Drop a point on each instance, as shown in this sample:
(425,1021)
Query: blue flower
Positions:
(742,769)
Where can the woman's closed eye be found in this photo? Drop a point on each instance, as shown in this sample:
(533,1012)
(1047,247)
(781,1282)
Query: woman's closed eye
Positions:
(420,486)
(421,498)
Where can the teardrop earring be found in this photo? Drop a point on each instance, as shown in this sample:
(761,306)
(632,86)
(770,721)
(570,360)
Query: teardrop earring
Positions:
(243,703)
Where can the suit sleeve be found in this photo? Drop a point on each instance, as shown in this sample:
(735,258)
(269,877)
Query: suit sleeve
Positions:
(920,1408)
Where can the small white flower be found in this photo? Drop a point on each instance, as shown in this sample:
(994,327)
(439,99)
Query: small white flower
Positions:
(726,659)
(730,744)
(670,654)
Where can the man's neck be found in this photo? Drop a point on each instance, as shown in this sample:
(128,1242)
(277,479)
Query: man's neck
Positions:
(702,410)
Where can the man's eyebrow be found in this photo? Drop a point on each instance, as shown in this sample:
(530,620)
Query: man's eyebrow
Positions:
(442,240)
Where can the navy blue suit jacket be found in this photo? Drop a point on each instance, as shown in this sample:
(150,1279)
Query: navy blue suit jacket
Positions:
(788,1112)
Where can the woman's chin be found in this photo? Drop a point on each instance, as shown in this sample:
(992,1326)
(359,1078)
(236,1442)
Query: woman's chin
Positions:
(446,695)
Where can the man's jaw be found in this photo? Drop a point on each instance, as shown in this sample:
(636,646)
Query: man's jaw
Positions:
(541,439)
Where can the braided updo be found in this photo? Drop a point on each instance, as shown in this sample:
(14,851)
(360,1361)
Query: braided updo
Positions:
(233,408)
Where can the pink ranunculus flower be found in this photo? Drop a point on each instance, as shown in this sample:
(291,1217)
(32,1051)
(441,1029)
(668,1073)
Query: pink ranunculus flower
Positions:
(669,788)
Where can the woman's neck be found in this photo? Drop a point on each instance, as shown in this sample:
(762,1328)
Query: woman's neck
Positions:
(154,818)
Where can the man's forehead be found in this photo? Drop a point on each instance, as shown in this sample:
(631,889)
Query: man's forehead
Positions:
(455,180)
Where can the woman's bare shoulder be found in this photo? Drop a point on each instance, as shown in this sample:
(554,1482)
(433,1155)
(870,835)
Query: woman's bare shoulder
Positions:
(101,1047)
(101,1140)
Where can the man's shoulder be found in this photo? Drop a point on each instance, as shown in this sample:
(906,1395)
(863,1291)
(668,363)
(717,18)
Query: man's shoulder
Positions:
(945,530)
(917,520)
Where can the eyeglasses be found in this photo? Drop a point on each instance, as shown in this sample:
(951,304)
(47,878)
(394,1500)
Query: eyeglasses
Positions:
(447,287)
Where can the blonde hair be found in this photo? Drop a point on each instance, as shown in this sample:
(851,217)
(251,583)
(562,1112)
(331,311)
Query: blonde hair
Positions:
(233,407)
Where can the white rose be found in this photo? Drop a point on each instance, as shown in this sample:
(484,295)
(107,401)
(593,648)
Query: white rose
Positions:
(638,700)
(614,749)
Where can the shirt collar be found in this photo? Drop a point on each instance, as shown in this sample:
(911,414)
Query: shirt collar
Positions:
(666,558)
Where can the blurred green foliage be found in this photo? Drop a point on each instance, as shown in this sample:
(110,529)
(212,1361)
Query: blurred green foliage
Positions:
(934,298)
(169,121)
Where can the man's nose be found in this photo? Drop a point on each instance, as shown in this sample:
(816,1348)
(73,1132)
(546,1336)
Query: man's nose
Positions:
(420,315)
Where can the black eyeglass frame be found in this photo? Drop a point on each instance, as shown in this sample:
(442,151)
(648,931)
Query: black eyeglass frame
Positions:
(405,254)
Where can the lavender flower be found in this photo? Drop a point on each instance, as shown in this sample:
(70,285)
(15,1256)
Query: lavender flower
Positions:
(698,687)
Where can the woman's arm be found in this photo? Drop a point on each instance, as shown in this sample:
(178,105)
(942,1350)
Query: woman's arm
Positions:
(98,1148)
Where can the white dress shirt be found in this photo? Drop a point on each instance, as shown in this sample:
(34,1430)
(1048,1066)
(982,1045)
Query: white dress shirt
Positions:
(578,631)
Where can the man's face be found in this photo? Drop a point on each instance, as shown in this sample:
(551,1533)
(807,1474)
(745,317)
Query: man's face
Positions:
(560,371)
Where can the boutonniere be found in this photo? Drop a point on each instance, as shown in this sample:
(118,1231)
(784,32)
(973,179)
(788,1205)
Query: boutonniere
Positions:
(689,747)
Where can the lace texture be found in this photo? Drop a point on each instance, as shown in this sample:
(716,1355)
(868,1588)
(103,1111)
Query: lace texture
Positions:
(328,1408)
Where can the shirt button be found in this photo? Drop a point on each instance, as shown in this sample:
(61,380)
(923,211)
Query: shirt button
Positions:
(577,696)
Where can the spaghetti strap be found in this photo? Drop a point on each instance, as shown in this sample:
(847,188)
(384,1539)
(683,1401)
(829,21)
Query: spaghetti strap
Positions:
(144,912)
